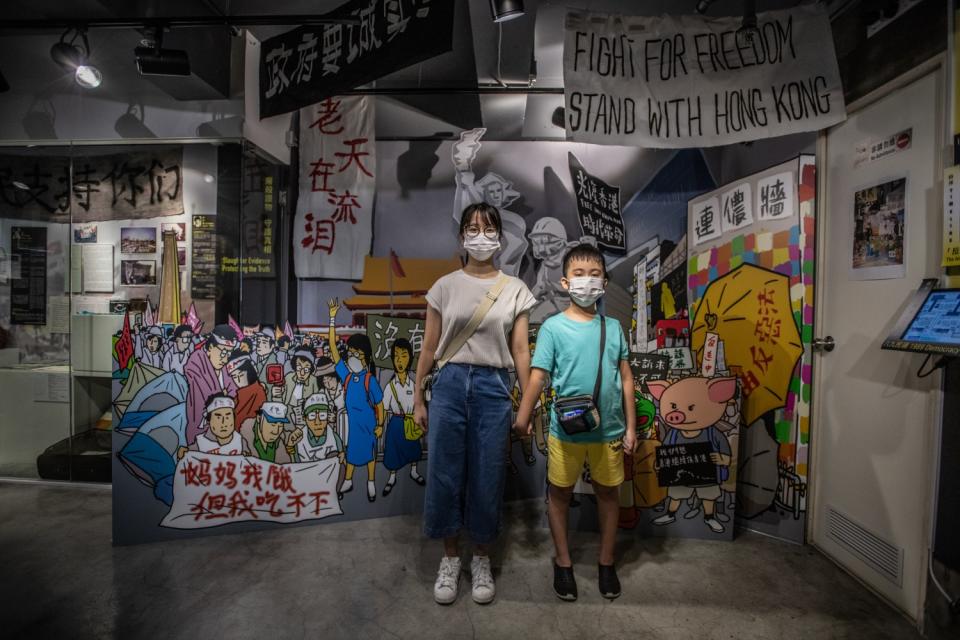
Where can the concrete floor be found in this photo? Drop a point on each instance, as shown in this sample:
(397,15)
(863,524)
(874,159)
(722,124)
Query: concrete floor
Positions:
(373,579)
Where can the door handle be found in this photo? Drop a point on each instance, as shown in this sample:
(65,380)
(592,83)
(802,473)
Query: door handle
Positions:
(823,344)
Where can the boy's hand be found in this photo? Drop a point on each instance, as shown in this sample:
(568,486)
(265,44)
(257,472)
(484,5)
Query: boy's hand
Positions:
(523,428)
(629,442)
(720,459)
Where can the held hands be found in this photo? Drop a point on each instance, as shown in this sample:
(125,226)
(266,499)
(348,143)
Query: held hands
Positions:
(378,431)
(523,428)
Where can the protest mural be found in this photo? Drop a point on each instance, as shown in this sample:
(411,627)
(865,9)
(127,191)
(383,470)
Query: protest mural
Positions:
(384,331)
(693,81)
(334,224)
(598,207)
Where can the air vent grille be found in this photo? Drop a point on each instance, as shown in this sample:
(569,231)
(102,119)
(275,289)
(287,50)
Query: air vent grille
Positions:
(885,558)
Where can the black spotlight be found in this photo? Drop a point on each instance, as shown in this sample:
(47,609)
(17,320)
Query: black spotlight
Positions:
(503,10)
(75,58)
(703,5)
(157,61)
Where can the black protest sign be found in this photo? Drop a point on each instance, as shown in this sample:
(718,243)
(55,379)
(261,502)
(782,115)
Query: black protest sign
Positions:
(598,206)
(648,366)
(28,286)
(685,465)
(310,63)
(125,186)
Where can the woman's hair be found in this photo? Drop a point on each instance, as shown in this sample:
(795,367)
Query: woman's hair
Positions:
(488,215)
(401,343)
(360,342)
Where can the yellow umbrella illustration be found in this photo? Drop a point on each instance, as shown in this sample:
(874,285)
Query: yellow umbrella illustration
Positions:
(749,308)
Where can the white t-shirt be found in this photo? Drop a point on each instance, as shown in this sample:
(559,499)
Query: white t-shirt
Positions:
(457,295)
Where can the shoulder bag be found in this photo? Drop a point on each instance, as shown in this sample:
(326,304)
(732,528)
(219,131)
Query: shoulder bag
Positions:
(579,414)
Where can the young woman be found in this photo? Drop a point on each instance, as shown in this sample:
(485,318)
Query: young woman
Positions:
(364,400)
(398,450)
(470,410)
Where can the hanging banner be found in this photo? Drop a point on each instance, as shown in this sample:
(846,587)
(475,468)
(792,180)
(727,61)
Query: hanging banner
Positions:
(213,490)
(333,231)
(119,186)
(689,81)
(598,207)
(308,64)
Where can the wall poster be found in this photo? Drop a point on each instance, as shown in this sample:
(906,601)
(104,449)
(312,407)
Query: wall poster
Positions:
(879,228)
(28,284)
(203,257)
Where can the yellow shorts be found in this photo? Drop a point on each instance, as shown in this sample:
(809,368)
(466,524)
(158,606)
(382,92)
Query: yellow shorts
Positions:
(565,462)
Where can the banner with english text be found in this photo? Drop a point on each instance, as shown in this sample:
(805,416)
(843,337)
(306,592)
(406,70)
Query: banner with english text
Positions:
(691,81)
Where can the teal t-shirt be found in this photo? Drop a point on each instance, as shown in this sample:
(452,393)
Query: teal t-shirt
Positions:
(568,351)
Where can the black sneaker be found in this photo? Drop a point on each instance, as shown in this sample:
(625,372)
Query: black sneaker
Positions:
(564,584)
(609,582)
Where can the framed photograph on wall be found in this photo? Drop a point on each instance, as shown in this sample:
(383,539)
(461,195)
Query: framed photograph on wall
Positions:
(84,233)
(138,240)
(138,273)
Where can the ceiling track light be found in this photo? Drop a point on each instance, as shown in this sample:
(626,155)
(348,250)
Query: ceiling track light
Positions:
(74,57)
(748,31)
(156,61)
(503,10)
(703,5)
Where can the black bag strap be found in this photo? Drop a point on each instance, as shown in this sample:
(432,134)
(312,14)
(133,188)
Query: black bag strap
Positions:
(603,346)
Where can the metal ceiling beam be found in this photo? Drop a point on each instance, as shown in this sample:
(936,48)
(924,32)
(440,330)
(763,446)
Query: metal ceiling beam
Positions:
(173,22)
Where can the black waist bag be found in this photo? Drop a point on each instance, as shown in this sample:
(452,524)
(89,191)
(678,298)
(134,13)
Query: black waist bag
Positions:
(580,414)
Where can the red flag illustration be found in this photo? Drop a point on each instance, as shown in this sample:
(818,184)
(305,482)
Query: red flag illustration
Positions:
(124,346)
(396,266)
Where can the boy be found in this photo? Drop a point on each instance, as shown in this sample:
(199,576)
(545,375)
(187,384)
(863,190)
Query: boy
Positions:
(568,346)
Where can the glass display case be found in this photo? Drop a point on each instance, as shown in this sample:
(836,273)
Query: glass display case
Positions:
(93,237)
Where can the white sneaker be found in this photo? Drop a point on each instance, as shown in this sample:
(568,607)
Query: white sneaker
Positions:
(714,525)
(483,588)
(448,581)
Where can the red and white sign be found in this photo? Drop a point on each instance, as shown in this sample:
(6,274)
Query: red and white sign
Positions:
(708,368)
(333,231)
(870,150)
(212,490)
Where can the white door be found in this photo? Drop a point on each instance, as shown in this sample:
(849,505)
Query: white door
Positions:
(874,419)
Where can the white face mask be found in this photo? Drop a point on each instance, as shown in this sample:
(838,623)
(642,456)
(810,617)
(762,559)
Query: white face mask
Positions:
(354,364)
(585,290)
(481,248)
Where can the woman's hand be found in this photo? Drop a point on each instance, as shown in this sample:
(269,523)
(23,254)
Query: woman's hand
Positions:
(420,416)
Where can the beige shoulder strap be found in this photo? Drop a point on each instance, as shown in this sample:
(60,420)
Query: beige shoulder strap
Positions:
(471,327)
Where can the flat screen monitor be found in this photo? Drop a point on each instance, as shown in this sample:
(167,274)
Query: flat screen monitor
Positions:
(931,324)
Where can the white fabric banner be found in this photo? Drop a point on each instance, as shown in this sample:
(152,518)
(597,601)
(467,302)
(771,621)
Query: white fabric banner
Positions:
(689,81)
(334,226)
(212,490)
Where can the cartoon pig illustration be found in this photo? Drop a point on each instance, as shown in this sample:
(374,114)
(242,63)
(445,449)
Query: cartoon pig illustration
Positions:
(690,408)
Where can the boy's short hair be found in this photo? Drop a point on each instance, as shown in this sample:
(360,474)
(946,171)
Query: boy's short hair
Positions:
(584,251)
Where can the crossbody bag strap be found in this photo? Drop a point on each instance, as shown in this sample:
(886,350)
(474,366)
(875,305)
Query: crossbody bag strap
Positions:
(603,347)
(471,327)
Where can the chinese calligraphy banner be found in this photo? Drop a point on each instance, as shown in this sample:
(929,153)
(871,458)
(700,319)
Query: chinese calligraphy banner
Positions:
(311,63)
(649,366)
(125,186)
(683,465)
(333,231)
(690,81)
(598,207)
(212,490)
(383,331)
